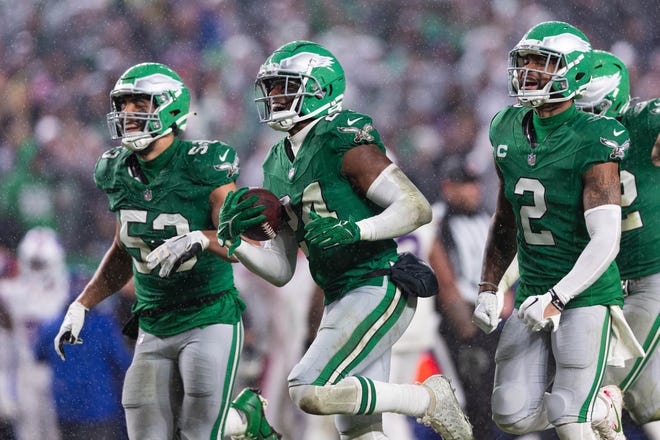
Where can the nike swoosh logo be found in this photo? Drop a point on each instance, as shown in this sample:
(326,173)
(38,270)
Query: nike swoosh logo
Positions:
(617,132)
(223,156)
(618,426)
(352,121)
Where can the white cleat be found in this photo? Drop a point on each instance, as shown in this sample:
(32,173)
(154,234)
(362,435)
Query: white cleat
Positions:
(610,427)
(444,413)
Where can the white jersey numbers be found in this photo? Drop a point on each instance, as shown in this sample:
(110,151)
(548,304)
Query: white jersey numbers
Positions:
(631,220)
(132,216)
(535,211)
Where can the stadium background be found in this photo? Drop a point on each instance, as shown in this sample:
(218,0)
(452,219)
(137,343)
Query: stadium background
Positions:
(431,73)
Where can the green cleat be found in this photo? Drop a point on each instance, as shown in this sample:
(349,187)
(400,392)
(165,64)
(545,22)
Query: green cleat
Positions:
(250,403)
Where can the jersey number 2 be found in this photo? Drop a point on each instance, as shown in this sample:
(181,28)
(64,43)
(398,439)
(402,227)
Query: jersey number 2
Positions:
(631,220)
(534,211)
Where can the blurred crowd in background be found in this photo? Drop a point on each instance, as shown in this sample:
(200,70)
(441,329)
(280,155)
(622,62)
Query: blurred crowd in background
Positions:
(432,73)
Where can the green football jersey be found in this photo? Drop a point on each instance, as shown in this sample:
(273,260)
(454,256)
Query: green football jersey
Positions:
(313,181)
(544,186)
(175,202)
(640,203)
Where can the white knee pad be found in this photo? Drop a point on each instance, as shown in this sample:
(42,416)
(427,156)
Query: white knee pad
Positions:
(341,398)
(507,411)
(512,415)
(556,407)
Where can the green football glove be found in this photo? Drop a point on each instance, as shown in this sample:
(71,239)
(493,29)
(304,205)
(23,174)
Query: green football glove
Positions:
(236,216)
(327,232)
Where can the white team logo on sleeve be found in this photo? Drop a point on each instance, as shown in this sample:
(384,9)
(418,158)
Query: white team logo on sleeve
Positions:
(618,151)
(231,167)
(361,134)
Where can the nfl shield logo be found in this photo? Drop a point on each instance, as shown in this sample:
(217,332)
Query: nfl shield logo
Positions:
(292,171)
(531,159)
(147,195)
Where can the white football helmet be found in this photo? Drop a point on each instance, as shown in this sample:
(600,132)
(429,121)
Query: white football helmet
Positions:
(40,250)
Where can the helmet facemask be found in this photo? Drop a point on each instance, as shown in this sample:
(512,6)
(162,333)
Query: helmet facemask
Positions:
(293,85)
(119,122)
(598,107)
(520,75)
(567,54)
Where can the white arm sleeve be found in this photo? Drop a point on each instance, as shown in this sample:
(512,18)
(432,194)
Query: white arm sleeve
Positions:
(275,261)
(406,208)
(604,227)
(510,276)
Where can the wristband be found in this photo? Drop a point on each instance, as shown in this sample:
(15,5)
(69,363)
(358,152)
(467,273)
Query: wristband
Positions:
(492,292)
(487,284)
(556,301)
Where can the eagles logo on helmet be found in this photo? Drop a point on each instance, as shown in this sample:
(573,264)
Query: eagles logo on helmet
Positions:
(608,92)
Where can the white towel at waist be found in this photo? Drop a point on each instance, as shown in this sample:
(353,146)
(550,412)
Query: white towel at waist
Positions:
(624,344)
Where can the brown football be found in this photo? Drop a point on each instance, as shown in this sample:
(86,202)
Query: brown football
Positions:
(269,228)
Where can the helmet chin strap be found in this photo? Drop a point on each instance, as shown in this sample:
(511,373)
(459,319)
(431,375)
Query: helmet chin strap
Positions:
(283,120)
(141,141)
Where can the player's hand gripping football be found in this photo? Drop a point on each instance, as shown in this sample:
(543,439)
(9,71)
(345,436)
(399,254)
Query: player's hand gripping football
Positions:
(70,329)
(175,251)
(541,311)
(487,310)
(236,216)
(327,232)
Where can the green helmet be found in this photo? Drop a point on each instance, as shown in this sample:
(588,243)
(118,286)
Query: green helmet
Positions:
(307,72)
(170,101)
(608,92)
(568,63)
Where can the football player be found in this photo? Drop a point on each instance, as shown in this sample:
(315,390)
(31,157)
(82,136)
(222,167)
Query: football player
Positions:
(33,298)
(559,206)
(167,191)
(345,202)
(608,94)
